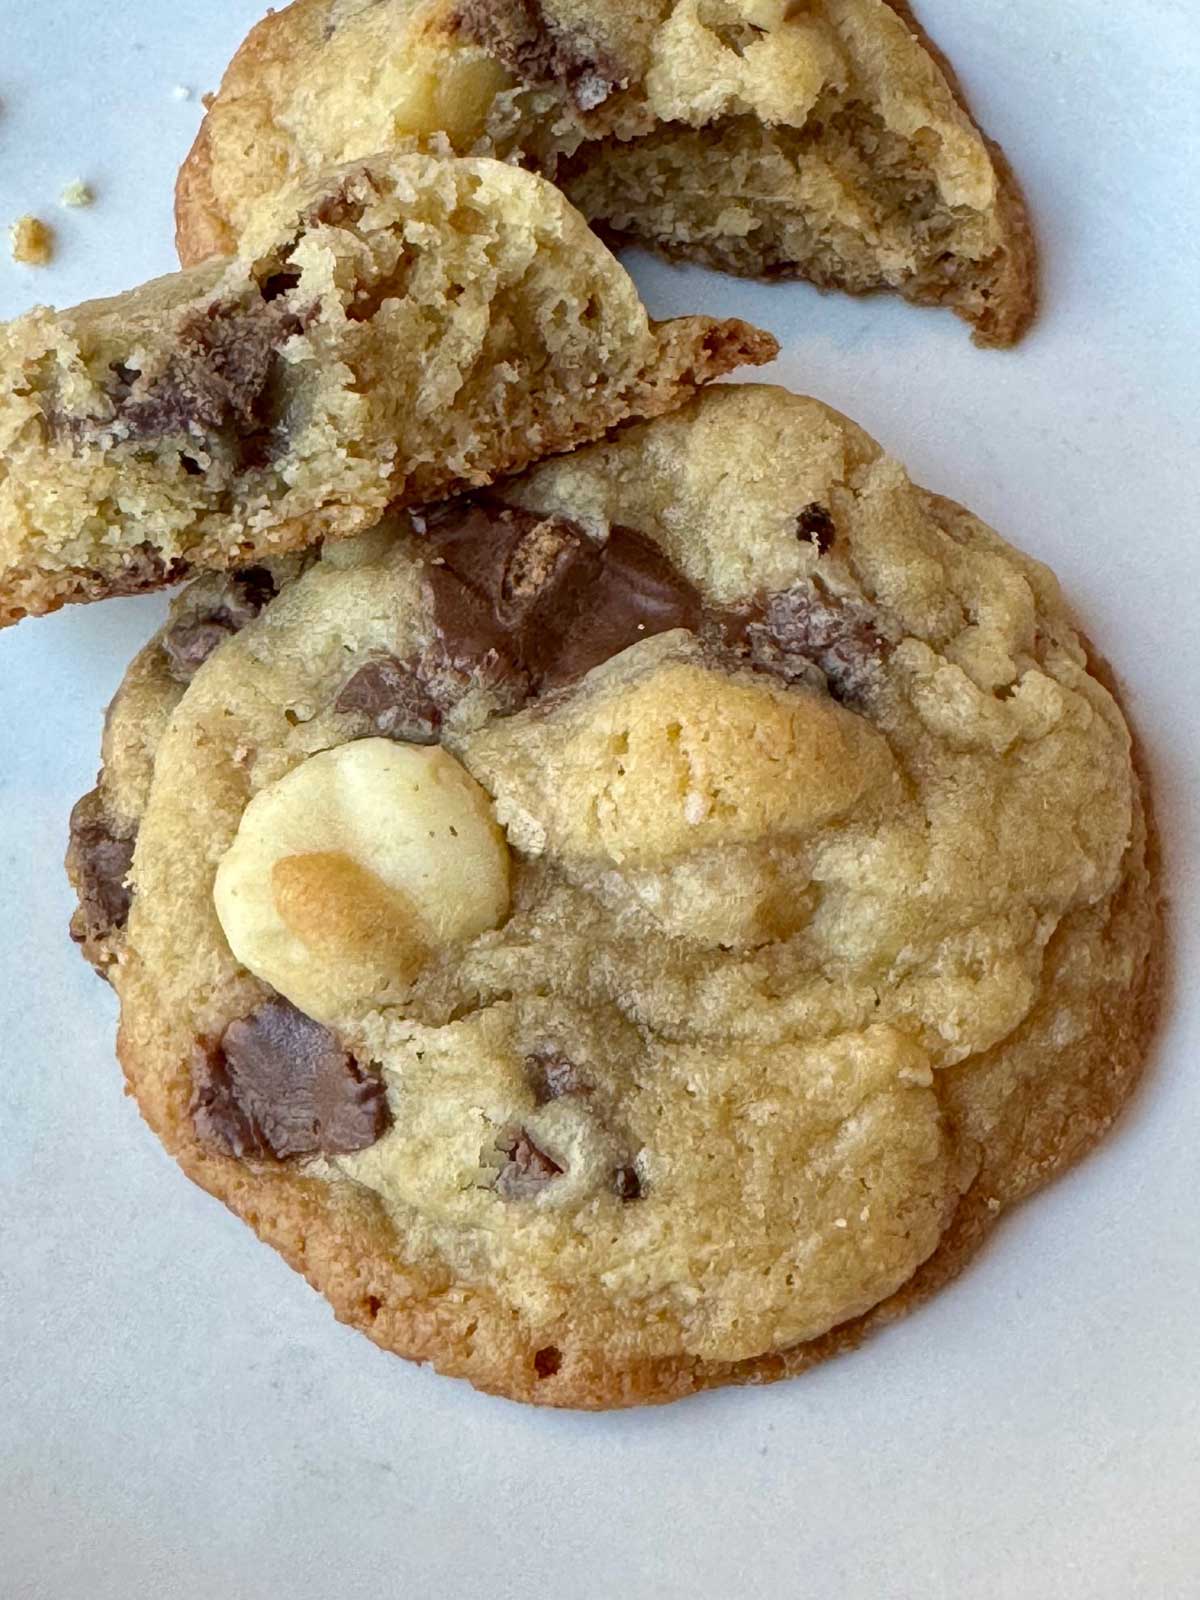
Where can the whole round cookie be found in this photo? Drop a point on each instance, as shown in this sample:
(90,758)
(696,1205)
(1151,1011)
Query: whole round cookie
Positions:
(823,139)
(634,931)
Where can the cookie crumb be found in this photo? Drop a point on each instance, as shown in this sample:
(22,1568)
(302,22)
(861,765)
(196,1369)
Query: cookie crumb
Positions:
(77,193)
(32,242)
(181,92)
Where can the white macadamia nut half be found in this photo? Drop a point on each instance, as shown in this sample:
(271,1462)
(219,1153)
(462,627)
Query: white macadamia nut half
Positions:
(348,874)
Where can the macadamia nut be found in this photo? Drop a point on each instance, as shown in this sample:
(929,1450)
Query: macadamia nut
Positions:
(350,873)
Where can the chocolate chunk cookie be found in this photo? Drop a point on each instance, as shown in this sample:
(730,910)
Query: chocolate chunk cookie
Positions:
(634,930)
(820,139)
(400,330)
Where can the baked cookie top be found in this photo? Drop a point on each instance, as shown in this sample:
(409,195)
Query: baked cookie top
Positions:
(635,929)
(395,331)
(823,139)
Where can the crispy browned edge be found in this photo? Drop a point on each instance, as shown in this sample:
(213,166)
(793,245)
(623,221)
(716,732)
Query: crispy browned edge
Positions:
(1019,281)
(201,229)
(691,352)
(346,1249)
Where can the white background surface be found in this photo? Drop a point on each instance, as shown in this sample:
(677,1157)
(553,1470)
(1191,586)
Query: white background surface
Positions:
(181,1416)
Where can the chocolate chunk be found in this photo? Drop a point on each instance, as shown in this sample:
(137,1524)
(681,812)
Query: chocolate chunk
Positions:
(531,602)
(816,525)
(805,626)
(99,857)
(527,1171)
(637,594)
(394,700)
(212,379)
(552,1075)
(278,1084)
(626,1184)
(187,644)
(525,603)
(216,382)
(509,583)
(539,50)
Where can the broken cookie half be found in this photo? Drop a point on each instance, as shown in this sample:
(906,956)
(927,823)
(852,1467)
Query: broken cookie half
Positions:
(818,139)
(404,328)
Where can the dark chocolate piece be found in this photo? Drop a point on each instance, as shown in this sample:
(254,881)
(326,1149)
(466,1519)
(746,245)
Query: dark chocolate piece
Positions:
(212,379)
(528,1169)
(524,604)
(808,623)
(187,645)
(278,1084)
(98,861)
(638,593)
(532,603)
(537,49)
(394,700)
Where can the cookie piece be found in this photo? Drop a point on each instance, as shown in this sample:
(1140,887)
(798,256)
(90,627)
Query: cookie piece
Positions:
(830,928)
(403,329)
(820,139)
(104,822)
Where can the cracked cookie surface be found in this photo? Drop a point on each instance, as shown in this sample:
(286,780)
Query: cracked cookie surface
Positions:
(826,139)
(794,916)
(396,330)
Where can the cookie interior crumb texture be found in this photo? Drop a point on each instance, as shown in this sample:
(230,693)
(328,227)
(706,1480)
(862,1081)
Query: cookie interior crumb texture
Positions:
(826,141)
(396,331)
(32,242)
(832,920)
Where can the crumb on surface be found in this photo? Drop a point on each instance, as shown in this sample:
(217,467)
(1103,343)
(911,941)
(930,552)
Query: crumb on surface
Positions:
(77,193)
(181,92)
(32,242)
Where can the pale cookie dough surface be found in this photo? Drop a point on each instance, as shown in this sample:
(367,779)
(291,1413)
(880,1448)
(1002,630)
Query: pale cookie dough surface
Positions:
(824,140)
(831,925)
(391,332)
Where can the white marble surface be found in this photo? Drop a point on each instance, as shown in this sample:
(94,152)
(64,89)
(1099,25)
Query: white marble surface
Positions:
(181,1416)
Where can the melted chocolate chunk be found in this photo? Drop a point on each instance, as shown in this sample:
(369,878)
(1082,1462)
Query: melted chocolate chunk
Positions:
(278,1084)
(816,525)
(525,604)
(527,1171)
(98,861)
(552,1075)
(531,603)
(638,594)
(187,645)
(537,49)
(394,700)
(216,382)
(213,378)
(787,633)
